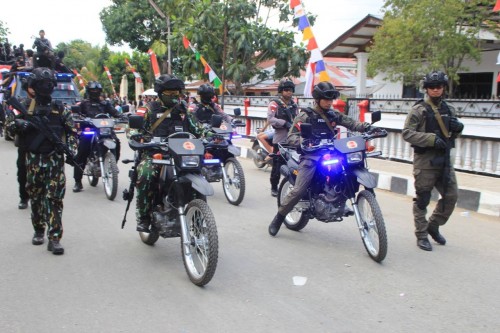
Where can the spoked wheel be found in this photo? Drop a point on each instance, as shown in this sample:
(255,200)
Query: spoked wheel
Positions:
(234,189)
(295,220)
(110,177)
(90,171)
(257,157)
(373,231)
(200,252)
(151,237)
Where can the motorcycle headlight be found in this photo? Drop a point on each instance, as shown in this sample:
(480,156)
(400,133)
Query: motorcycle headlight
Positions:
(355,158)
(105,131)
(190,161)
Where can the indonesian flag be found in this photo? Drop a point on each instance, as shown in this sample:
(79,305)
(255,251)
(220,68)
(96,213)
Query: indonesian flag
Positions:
(106,69)
(311,69)
(80,78)
(154,63)
(136,75)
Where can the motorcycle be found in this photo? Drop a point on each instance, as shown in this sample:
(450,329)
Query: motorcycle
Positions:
(180,207)
(102,159)
(220,161)
(341,170)
(259,152)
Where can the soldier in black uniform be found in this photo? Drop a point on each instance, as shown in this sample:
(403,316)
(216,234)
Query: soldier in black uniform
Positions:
(323,93)
(206,108)
(45,164)
(280,114)
(90,108)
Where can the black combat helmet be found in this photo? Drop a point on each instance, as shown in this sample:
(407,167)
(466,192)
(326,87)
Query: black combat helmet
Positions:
(94,89)
(42,80)
(435,78)
(168,82)
(325,90)
(286,83)
(206,93)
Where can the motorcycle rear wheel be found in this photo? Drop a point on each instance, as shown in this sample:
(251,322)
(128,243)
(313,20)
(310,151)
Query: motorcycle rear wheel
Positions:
(257,158)
(200,252)
(373,234)
(295,220)
(111,175)
(235,189)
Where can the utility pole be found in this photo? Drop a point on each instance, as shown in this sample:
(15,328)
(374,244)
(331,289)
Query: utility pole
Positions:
(224,53)
(167,18)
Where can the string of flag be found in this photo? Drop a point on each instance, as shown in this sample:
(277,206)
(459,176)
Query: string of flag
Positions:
(316,63)
(137,76)
(212,77)
(106,69)
(154,63)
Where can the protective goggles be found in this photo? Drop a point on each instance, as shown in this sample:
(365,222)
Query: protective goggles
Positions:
(330,94)
(170,93)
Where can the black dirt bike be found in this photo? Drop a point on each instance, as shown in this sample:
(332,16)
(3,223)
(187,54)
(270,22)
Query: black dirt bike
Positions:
(340,172)
(180,207)
(102,159)
(220,161)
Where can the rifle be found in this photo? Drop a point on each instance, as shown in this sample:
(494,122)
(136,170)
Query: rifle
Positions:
(128,194)
(40,123)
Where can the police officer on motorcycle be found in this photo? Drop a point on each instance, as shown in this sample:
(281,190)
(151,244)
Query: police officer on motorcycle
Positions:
(323,119)
(90,108)
(163,117)
(206,108)
(280,115)
(431,127)
(45,164)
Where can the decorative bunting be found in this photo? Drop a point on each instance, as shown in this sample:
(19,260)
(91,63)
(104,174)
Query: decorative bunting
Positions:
(307,33)
(154,63)
(303,22)
(323,77)
(320,66)
(137,76)
(312,44)
(497,6)
(294,3)
(80,78)
(207,68)
(185,42)
(106,69)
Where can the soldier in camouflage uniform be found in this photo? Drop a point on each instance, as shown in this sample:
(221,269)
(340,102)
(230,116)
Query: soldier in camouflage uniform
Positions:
(431,156)
(45,165)
(162,118)
(323,93)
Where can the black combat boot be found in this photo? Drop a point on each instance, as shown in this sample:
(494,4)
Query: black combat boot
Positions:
(38,237)
(433,230)
(275,225)
(274,192)
(424,244)
(143,225)
(55,247)
(23,204)
(78,186)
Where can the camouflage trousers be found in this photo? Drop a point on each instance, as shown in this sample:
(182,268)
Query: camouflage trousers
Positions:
(147,183)
(425,181)
(46,186)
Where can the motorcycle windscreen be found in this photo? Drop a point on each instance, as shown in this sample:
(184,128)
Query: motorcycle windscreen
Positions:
(350,145)
(184,146)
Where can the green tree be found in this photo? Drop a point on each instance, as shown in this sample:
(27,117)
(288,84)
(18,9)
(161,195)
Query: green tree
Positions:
(232,29)
(425,35)
(4,31)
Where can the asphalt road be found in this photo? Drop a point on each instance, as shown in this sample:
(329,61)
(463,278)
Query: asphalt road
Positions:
(109,281)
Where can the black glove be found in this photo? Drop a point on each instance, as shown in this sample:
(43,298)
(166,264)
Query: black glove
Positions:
(367,127)
(23,125)
(287,125)
(455,125)
(439,143)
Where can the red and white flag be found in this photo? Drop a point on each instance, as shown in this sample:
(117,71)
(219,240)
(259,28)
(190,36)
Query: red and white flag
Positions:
(106,69)
(154,63)
(136,75)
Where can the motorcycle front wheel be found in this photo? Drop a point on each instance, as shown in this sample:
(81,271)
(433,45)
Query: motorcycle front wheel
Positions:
(372,223)
(295,220)
(234,189)
(200,252)
(257,156)
(110,176)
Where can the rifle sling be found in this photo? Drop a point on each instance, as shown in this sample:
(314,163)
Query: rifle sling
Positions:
(158,122)
(440,121)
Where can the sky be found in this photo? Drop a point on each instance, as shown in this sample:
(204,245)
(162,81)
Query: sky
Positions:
(66,20)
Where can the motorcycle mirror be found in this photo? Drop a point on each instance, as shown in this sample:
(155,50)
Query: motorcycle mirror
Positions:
(305,130)
(136,122)
(376,116)
(216,120)
(237,112)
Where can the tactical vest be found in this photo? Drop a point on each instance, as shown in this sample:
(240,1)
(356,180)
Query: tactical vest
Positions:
(432,125)
(287,113)
(34,140)
(172,123)
(320,128)
(204,113)
(91,109)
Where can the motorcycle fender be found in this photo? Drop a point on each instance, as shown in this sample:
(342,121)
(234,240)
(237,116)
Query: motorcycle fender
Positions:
(236,151)
(199,183)
(365,178)
(110,144)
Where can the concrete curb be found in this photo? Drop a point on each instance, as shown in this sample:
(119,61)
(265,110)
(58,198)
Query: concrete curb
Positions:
(471,199)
